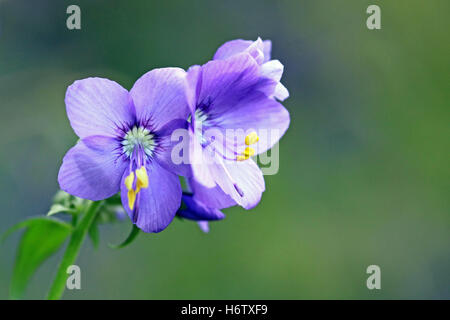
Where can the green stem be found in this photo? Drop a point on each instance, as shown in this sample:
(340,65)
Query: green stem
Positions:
(74,246)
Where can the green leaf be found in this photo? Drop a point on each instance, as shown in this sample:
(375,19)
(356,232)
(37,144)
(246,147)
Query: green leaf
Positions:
(72,250)
(131,237)
(42,238)
(58,208)
(94,234)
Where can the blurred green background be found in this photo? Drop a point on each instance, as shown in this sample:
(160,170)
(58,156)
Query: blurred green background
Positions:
(364,168)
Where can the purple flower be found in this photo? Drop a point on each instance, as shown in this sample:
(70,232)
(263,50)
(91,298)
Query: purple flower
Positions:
(231,95)
(125,144)
(260,51)
(204,226)
(197,211)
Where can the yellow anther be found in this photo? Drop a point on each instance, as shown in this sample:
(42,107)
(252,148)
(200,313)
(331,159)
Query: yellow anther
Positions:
(142,178)
(248,152)
(142,182)
(251,138)
(241,158)
(129,181)
(131,198)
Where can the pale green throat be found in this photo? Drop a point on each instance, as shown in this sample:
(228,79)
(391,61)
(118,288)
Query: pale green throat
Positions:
(138,137)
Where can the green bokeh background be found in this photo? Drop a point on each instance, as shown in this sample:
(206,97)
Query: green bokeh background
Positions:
(364,167)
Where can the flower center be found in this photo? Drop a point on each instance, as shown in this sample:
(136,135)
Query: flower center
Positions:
(199,121)
(138,137)
(200,116)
